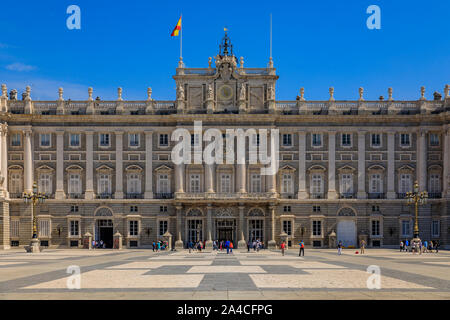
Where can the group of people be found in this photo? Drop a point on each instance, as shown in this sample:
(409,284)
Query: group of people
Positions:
(197,245)
(98,244)
(159,245)
(223,245)
(256,245)
(419,247)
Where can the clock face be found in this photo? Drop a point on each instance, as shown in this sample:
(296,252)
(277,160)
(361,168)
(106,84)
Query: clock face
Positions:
(225,92)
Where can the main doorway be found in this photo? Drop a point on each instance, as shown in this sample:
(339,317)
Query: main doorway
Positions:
(104,231)
(226,230)
(346,232)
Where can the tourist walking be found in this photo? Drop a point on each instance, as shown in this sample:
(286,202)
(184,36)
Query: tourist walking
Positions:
(227,246)
(339,246)
(406,245)
(436,245)
(231,246)
(283,246)
(249,244)
(302,249)
(401,246)
(363,246)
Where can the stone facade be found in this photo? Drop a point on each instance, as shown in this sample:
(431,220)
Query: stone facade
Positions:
(106,165)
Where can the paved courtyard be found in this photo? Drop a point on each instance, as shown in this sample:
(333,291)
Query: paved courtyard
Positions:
(143,274)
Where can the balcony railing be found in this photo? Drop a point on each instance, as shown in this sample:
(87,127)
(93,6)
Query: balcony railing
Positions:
(317,195)
(15,195)
(104,196)
(376,195)
(347,195)
(163,195)
(74,195)
(401,195)
(134,196)
(435,195)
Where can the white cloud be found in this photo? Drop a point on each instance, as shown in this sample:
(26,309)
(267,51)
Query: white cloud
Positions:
(18,66)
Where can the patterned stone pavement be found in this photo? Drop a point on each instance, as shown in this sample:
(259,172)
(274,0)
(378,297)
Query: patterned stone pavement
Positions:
(143,274)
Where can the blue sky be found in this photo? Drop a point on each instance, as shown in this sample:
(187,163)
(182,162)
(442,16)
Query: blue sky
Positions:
(316,44)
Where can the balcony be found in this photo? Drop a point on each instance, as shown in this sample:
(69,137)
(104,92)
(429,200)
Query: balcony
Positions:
(317,195)
(435,195)
(347,195)
(134,196)
(15,195)
(376,195)
(163,195)
(105,196)
(74,196)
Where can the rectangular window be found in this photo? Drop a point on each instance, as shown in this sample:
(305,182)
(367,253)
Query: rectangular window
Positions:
(406,228)
(434,139)
(134,209)
(74,186)
(287,208)
(346,185)
(405,183)
(225,183)
(195,230)
(346,139)
(163,209)
(375,227)
(255,180)
(45,139)
(287,227)
(45,183)
(255,230)
(44,228)
(194,183)
(15,224)
(104,139)
(104,184)
(317,139)
(316,208)
(133,183)
(435,183)
(73,208)
(376,139)
(16,140)
(133,139)
(404,140)
(286,183)
(74,140)
(375,183)
(163,140)
(163,183)
(134,227)
(287,140)
(435,228)
(163,227)
(316,184)
(317,227)
(74,228)
(375,208)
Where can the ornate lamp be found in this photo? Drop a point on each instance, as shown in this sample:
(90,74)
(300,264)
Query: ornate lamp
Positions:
(417,198)
(34,197)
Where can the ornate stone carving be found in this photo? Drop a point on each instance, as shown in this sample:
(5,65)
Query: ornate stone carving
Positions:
(13,94)
(390,94)
(242,92)
(210,93)
(224,212)
(271,92)
(119,94)
(60,93)
(104,212)
(331,90)
(361,92)
(346,212)
(180,93)
(302,94)
(149,94)
(422,93)
(194,213)
(255,213)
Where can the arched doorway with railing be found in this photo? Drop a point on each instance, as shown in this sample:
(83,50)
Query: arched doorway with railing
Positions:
(104,226)
(346,227)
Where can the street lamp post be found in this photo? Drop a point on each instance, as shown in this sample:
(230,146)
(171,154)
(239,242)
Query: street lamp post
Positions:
(417,198)
(34,197)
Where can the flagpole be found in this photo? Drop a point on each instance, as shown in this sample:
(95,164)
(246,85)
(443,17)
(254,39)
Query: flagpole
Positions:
(270,35)
(181,37)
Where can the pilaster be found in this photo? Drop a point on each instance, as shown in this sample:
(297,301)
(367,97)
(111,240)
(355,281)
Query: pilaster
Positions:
(89,192)
(332,194)
(148,164)
(391,166)
(119,165)
(361,165)
(59,193)
(302,194)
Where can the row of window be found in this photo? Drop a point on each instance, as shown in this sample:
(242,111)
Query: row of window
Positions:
(405,183)
(287,141)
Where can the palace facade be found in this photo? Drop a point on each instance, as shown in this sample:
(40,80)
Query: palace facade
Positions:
(105,166)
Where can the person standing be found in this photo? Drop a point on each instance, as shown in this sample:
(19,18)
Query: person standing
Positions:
(283,246)
(249,243)
(406,245)
(401,246)
(339,246)
(363,246)
(231,246)
(302,249)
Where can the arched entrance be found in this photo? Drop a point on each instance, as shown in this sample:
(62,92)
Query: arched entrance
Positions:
(104,226)
(346,227)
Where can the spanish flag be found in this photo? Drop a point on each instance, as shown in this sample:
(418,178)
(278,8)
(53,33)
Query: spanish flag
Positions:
(177,29)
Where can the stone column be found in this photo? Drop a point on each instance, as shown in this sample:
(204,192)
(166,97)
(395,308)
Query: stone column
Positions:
(446,171)
(241,243)
(89,192)
(179,178)
(391,166)
(148,164)
(361,165)
(179,242)
(4,158)
(271,179)
(59,193)
(302,194)
(272,243)
(209,241)
(119,165)
(332,165)
(422,160)
(28,161)
(209,178)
